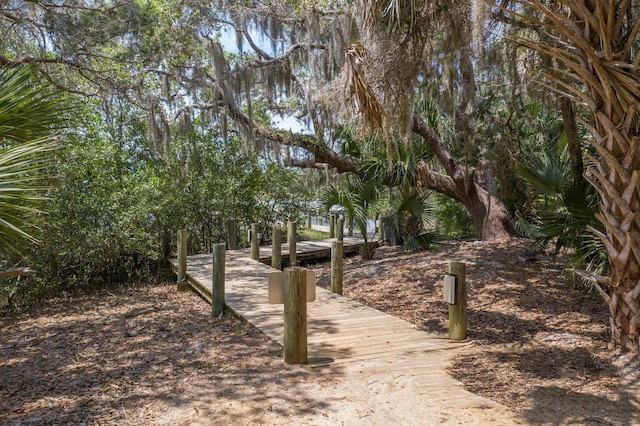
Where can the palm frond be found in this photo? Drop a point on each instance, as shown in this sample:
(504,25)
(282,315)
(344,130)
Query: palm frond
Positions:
(396,15)
(424,241)
(358,196)
(29,114)
(358,90)
(28,109)
(548,174)
(21,190)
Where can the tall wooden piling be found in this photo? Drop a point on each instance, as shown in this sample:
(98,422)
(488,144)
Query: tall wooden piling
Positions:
(276,248)
(295,316)
(217,297)
(292,238)
(337,251)
(182,260)
(332,225)
(458,311)
(255,243)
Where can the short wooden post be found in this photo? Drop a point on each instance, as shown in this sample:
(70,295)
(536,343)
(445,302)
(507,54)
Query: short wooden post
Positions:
(276,248)
(182,260)
(337,251)
(309,220)
(255,244)
(291,240)
(332,225)
(340,229)
(458,312)
(380,230)
(217,297)
(295,316)
(232,231)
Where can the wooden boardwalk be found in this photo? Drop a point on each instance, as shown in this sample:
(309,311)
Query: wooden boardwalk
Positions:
(309,250)
(341,330)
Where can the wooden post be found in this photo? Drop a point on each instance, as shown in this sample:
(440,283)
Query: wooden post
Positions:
(337,251)
(309,220)
(291,240)
(276,248)
(458,312)
(332,225)
(295,316)
(340,229)
(255,244)
(232,231)
(182,260)
(380,230)
(217,297)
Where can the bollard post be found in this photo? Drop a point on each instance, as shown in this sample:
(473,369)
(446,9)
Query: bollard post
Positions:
(255,244)
(458,311)
(291,240)
(332,225)
(217,288)
(295,316)
(340,229)
(276,248)
(182,260)
(337,251)
(232,230)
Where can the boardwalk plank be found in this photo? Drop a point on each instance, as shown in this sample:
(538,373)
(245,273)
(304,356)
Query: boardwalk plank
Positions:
(340,330)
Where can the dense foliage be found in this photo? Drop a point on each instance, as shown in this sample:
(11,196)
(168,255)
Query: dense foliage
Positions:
(115,205)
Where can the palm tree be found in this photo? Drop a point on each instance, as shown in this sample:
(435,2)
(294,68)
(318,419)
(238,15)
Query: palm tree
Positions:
(401,174)
(29,114)
(360,198)
(594,49)
(566,207)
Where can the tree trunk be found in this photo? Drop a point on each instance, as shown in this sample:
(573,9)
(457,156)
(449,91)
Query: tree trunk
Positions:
(616,177)
(573,138)
(490,216)
(165,250)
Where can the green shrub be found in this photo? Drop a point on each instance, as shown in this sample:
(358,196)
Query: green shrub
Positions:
(453,220)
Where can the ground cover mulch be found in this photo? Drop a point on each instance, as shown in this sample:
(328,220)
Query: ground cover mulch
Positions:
(141,355)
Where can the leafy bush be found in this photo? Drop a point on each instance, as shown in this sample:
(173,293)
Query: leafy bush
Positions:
(453,220)
(116,205)
(566,210)
(424,241)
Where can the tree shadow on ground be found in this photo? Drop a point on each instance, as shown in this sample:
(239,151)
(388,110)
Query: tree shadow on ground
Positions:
(555,405)
(492,327)
(568,401)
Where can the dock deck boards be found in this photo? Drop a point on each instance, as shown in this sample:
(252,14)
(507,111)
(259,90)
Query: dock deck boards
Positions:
(340,330)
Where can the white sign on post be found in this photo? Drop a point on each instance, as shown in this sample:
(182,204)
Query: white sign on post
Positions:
(276,287)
